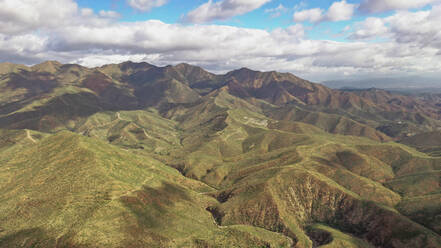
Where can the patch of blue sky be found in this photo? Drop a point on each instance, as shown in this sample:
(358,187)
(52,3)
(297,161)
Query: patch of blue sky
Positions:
(171,12)
(259,19)
(174,10)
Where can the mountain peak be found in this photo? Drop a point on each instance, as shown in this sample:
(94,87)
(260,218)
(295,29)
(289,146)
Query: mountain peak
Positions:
(134,65)
(184,65)
(50,63)
(7,67)
(245,70)
(193,74)
(50,66)
(186,68)
(125,68)
(243,74)
(7,64)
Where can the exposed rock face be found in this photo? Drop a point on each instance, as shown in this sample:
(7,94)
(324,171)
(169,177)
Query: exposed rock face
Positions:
(294,197)
(319,237)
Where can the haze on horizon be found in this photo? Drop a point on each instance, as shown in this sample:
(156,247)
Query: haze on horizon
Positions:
(319,40)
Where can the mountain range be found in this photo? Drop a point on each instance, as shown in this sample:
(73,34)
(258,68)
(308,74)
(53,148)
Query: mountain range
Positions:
(407,84)
(136,155)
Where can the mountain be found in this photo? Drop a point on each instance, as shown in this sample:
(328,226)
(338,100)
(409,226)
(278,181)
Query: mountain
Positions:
(429,142)
(7,67)
(409,83)
(93,194)
(136,155)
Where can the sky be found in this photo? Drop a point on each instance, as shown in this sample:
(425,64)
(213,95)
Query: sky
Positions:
(318,40)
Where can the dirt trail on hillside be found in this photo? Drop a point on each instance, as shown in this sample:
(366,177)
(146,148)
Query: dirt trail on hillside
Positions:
(146,134)
(28,136)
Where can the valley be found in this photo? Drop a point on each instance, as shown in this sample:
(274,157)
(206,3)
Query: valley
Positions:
(136,155)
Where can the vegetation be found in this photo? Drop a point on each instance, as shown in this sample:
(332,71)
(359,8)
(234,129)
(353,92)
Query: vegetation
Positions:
(134,155)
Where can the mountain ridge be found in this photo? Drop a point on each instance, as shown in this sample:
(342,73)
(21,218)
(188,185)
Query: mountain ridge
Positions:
(133,154)
(276,88)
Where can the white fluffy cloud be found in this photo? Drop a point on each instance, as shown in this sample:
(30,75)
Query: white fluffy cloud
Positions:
(25,48)
(370,28)
(311,15)
(412,42)
(376,6)
(19,16)
(222,10)
(222,48)
(146,5)
(338,11)
(420,29)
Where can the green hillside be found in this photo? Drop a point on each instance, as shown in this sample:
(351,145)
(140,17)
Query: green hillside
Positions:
(135,155)
(428,142)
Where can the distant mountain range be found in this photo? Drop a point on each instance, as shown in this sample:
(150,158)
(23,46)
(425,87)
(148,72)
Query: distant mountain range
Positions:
(136,155)
(411,84)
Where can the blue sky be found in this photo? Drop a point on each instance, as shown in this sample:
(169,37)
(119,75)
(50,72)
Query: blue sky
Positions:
(260,18)
(319,40)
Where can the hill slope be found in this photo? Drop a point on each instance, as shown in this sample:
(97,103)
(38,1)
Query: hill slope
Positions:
(135,155)
(429,142)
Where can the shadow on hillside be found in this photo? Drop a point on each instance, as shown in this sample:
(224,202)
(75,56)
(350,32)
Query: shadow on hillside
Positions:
(37,237)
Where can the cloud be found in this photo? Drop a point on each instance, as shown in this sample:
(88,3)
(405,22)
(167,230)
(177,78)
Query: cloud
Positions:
(222,48)
(300,6)
(109,14)
(377,6)
(276,12)
(146,5)
(21,16)
(338,11)
(419,29)
(292,33)
(222,10)
(311,15)
(83,36)
(26,48)
(371,28)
